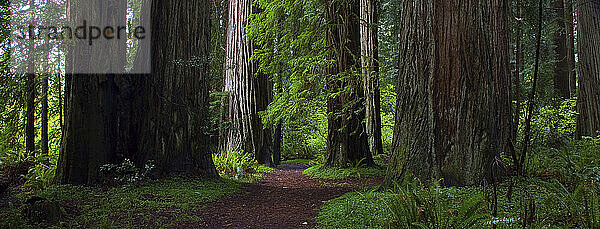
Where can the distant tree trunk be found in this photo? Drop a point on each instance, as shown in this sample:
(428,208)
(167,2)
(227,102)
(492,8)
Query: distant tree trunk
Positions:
(453,108)
(588,35)
(90,104)
(570,36)
(44,134)
(248,89)
(277,138)
(174,125)
(561,69)
(518,77)
(370,71)
(347,138)
(31,89)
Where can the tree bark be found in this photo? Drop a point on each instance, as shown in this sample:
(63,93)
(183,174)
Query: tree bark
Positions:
(518,78)
(370,71)
(44,134)
(248,89)
(90,99)
(588,35)
(562,83)
(347,139)
(174,126)
(570,36)
(453,112)
(31,94)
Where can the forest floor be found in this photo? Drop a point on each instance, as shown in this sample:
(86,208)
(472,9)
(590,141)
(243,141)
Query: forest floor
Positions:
(284,198)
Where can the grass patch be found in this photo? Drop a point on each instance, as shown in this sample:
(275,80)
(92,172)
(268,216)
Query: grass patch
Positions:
(163,203)
(258,173)
(324,172)
(299,161)
(356,210)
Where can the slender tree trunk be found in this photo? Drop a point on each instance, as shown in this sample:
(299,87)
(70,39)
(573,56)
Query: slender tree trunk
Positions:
(173,130)
(248,89)
(31,94)
(518,77)
(90,102)
(453,107)
(347,139)
(561,69)
(570,36)
(370,71)
(44,134)
(588,35)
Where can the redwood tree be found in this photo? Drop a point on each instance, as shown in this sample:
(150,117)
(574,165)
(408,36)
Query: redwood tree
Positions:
(453,112)
(176,95)
(370,71)
(346,139)
(588,35)
(90,107)
(248,89)
(562,69)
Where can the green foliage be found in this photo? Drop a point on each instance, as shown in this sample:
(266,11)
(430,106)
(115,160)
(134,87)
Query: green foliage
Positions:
(418,206)
(126,172)
(40,176)
(300,161)
(239,165)
(356,210)
(164,203)
(323,172)
(572,164)
(552,125)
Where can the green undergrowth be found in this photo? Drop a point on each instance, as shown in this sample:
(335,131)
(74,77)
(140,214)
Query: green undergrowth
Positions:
(258,173)
(299,161)
(239,166)
(324,172)
(163,203)
(417,206)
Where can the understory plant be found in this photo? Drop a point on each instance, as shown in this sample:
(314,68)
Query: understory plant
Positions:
(235,164)
(126,172)
(419,206)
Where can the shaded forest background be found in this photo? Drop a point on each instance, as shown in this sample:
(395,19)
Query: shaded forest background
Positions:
(477,95)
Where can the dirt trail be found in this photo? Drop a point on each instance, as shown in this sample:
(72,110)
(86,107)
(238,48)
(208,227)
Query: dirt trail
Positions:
(283,199)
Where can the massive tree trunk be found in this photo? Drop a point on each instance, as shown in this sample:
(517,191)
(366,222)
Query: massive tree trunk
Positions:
(248,89)
(174,128)
(370,71)
(90,104)
(562,83)
(588,35)
(347,139)
(453,107)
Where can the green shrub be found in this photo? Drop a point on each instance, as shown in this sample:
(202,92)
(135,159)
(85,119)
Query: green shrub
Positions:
(239,165)
(418,206)
(552,126)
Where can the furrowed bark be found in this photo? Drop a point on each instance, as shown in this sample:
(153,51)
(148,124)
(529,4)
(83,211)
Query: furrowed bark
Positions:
(453,107)
(370,71)
(174,125)
(249,90)
(588,35)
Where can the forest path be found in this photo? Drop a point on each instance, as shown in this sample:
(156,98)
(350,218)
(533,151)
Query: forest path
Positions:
(282,199)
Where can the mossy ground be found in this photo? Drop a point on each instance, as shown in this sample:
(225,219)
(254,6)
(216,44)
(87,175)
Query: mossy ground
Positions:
(162,203)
